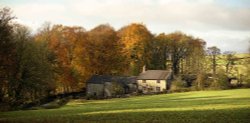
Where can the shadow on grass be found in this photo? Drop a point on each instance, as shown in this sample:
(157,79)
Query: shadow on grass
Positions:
(239,115)
(167,103)
(197,98)
(50,105)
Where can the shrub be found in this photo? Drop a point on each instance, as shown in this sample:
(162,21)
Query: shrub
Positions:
(201,82)
(117,89)
(246,82)
(220,81)
(55,104)
(50,106)
(246,79)
(178,85)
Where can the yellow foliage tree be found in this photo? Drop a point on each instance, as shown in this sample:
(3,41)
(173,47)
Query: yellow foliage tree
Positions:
(135,39)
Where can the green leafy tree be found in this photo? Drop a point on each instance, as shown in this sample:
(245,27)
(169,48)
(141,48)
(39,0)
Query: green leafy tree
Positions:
(7,50)
(159,52)
(230,59)
(213,52)
(32,77)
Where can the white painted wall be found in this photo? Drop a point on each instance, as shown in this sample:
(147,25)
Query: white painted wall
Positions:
(151,84)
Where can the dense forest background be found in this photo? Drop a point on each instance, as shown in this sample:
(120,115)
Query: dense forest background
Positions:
(59,59)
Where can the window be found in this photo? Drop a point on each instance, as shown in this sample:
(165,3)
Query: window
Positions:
(158,89)
(158,81)
(150,89)
(143,81)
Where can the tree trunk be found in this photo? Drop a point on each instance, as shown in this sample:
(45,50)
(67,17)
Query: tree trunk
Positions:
(214,65)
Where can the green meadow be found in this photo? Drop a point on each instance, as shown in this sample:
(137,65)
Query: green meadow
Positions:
(222,106)
(239,65)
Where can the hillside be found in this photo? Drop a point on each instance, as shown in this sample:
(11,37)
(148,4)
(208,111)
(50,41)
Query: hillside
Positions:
(201,106)
(237,68)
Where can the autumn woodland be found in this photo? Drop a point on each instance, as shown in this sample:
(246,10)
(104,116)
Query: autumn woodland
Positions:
(59,59)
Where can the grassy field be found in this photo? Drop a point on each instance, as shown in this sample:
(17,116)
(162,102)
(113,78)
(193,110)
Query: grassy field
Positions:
(227,106)
(239,66)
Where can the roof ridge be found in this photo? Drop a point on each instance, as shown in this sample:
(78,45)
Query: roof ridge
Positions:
(154,74)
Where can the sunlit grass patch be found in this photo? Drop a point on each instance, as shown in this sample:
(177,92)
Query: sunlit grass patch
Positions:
(201,106)
(208,107)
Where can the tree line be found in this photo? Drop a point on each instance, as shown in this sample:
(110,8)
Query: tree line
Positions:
(59,59)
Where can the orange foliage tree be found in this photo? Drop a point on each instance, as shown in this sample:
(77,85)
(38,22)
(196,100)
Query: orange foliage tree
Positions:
(135,39)
(66,46)
(103,51)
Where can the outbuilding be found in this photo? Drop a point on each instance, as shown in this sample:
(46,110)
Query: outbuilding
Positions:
(104,86)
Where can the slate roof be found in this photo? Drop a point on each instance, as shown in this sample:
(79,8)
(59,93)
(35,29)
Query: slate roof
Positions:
(154,75)
(100,79)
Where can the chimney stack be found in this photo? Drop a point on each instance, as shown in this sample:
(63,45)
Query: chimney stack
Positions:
(144,69)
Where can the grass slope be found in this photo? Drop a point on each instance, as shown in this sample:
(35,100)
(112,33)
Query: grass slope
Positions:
(239,66)
(227,106)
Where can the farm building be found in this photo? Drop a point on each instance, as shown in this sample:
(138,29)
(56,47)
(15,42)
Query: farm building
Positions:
(154,81)
(104,86)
